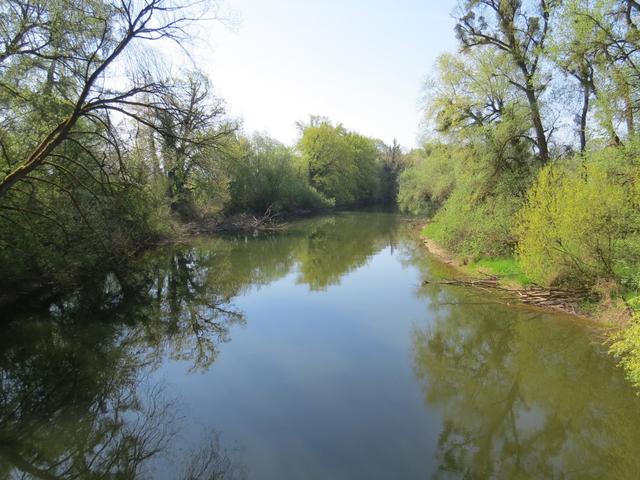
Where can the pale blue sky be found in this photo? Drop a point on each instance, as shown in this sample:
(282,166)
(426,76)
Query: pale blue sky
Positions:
(360,62)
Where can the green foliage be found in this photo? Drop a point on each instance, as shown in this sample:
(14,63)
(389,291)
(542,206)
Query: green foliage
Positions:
(474,192)
(581,222)
(265,175)
(393,164)
(428,180)
(97,161)
(342,165)
(60,234)
(496,107)
(475,182)
(91,167)
(475,227)
(626,345)
(363,153)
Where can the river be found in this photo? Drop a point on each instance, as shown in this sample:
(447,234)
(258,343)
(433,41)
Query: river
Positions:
(311,353)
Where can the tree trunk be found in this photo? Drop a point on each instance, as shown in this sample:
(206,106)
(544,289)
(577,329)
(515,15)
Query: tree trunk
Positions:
(586,94)
(37,158)
(628,112)
(536,120)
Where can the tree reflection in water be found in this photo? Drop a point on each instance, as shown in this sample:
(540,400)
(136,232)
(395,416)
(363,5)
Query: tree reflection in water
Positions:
(521,397)
(74,399)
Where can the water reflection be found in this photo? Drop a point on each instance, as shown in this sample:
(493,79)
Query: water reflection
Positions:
(75,400)
(523,395)
(186,306)
(52,391)
(75,403)
(338,245)
(320,387)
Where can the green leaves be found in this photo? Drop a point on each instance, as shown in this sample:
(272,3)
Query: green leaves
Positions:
(580,223)
(342,165)
(265,174)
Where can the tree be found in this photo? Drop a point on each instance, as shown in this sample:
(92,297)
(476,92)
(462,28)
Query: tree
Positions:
(471,105)
(326,160)
(392,167)
(55,58)
(613,37)
(192,131)
(509,26)
(340,164)
(265,176)
(573,50)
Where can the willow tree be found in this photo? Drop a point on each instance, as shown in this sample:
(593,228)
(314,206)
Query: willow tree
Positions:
(472,106)
(61,74)
(520,30)
(79,84)
(615,40)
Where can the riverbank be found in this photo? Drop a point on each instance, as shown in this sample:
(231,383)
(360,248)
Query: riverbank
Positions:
(502,276)
(38,289)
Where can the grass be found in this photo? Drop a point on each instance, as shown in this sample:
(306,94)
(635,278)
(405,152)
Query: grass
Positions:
(632,297)
(431,230)
(506,268)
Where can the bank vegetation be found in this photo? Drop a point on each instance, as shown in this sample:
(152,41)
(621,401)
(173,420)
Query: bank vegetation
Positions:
(109,145)
(531,167)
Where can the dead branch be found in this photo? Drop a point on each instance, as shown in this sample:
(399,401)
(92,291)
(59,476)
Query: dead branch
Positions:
(557,298)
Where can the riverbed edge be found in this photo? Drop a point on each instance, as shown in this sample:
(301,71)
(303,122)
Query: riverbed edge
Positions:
(605,316)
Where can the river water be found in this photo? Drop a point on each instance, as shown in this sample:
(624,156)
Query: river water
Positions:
(311,353)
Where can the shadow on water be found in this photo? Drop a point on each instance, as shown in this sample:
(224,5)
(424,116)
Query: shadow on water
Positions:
(516,394)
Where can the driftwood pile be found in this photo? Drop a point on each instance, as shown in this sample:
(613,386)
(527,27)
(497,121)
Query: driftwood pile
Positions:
(560,299)
(241,223)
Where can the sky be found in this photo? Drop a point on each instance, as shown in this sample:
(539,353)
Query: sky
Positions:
(359,62)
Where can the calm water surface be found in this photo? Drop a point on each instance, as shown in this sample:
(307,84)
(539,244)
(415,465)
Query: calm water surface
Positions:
(314,353)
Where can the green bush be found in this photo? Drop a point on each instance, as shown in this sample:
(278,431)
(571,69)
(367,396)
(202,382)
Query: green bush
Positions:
(428,180)
(57,237)
(476,202)
(265,175)
(626,345)
(581,221)
(474,227)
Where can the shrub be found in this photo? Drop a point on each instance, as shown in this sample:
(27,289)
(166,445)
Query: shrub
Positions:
(475,227)
(581,221)
(626,345)
(265,175)
(477,200)
(428,181)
